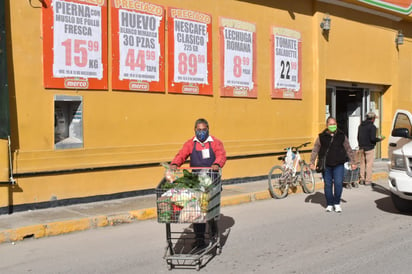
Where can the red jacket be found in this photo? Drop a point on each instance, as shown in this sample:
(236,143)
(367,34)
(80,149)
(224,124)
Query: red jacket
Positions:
(186,150)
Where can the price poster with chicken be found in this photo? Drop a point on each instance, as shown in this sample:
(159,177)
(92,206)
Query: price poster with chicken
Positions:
(138,46)
(238,58)
(286,63)
(74,44)
(190,52)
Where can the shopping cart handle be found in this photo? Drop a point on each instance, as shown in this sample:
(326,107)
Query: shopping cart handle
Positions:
(194,167)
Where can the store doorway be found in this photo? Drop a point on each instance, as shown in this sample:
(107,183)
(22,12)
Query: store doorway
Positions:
(349,105)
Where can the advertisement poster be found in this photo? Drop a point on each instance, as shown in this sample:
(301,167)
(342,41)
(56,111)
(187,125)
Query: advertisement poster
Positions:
(75,44)
(238,58)
(138,31)
(286,64)
(190,52)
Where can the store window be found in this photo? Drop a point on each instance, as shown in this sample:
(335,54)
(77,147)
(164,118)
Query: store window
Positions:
(68,122)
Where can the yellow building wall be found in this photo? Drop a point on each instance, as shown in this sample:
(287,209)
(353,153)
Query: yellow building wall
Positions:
(362,49)
(132,128)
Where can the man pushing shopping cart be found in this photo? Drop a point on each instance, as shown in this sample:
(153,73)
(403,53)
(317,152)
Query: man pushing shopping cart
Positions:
(192,195)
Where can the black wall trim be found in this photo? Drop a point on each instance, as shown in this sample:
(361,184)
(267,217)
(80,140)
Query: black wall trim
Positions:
(119,167)
(81,170)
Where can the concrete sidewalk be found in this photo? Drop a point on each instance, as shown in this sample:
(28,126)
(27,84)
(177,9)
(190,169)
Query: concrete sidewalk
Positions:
(60,220)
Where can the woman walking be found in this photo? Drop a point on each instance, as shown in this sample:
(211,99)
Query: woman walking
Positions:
(333,147)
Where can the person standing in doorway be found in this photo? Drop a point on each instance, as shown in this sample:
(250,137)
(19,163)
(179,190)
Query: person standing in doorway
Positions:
(367,141)
(332,144)
(204,150)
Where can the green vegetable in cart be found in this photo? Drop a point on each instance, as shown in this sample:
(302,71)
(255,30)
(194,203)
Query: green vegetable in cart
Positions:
(165,216)
(164,209)
(189,180)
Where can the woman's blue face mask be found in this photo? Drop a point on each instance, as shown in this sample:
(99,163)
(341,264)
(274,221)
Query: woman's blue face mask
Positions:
(202,135)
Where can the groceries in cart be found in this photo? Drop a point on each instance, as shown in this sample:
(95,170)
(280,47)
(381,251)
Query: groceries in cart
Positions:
(183,196)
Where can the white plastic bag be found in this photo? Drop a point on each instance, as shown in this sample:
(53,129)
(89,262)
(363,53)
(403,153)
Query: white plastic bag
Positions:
(289,158)
(191,213)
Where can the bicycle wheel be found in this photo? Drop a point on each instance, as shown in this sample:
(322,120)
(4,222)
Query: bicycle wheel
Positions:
(278,182)
(307,179)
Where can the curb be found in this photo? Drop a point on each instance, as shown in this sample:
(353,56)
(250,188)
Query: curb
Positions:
(68,226)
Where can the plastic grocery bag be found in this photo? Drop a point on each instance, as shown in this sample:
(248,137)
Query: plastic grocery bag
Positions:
(182,196)
(191,213)
(289,158)
(170,175)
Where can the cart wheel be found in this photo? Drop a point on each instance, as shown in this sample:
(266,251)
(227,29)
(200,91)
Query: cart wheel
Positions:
(218,248)
(198,266)
(169,266)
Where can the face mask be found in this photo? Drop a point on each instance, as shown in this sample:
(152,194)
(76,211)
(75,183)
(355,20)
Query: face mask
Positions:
(202,135)
(332,128)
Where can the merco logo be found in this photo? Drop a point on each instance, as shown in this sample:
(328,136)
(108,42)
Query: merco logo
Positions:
(240,91)
(139,86)
(190,89)
(76,83)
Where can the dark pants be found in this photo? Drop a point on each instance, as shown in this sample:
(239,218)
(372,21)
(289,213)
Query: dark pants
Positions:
(200,229)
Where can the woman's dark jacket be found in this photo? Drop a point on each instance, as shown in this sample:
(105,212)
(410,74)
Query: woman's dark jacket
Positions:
(337,153)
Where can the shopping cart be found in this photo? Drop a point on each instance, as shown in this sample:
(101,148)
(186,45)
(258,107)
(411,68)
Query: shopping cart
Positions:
(189,195)
(351,177)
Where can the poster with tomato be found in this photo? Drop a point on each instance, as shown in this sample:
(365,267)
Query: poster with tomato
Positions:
(190,52)
(138,46)
(74,44)
(286,63)
(238,58)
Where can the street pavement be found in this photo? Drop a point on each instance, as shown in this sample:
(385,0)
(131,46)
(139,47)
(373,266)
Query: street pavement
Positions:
(65,219)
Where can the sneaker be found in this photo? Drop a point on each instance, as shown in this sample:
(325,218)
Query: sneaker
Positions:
(338,208)
(329,208)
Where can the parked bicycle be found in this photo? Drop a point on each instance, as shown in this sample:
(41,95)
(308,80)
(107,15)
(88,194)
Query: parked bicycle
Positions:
(293,172)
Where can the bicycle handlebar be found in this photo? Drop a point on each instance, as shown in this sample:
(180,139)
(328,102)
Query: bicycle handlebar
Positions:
(297,147)
(294,150)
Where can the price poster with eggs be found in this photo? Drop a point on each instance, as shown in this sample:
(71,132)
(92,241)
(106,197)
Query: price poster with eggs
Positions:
(190,52)
(74,44)
(238,58)
(138,31)
(286,63)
